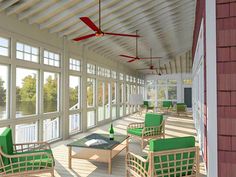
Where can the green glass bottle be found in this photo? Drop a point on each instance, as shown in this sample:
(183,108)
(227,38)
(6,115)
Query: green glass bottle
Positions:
(111,132)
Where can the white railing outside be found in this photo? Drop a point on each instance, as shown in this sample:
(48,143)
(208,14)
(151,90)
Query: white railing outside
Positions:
(26,133)
(51,129)
(74,123)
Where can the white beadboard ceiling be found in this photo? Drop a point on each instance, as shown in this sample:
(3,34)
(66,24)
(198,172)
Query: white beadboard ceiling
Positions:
(166,26)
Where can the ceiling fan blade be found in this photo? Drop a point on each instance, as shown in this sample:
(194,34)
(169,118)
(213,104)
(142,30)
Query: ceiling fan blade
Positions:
(143,69)
(131,60)
(84,37)
(127,56)
(89,23)
(153,58)
(127,35)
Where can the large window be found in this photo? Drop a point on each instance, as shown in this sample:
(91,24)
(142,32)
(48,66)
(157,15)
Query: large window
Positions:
(74,123)
(50,129)
(91,69)
(26,133)
(74,64)
(127,93)
(27,52)
(51,92)
(26,92)
(121,99)
(172,92)
(3,92)
(101,108)
(4,46)
(161,92)
(91,119)
(150,90)
(113,99)
(51,58)
(167,90)
(90,92)
(74,92)
(107,100)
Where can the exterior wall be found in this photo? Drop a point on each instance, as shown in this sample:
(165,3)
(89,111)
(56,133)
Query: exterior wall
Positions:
(199,17)
(226,87)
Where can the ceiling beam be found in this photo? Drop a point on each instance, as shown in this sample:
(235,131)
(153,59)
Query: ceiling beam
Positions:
(176,71)
(186,57)
(51,11)
(35,9)
(24,4)
(181,68)
(165,68)
(68,13)
(74,23)
(170,67)
(5,4)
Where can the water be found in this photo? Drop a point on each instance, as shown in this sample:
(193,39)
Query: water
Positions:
(28,108)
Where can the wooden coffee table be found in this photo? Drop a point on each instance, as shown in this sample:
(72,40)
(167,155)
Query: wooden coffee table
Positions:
(100,153)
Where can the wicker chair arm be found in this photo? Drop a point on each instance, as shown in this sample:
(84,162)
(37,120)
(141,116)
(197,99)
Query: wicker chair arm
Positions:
(132,155)
(136,164)
(135,125)
(25,155)
(153,130)
(22,147)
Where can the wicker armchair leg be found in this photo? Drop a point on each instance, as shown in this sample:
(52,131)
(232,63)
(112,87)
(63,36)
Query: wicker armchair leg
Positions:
(142,143)
(52,173)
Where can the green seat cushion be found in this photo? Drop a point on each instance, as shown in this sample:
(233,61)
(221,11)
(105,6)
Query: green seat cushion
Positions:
(6,143)
(135,131)
(181,107)
(148,104)
(180,104)
(167,104)
(31,162)
(167,160)
(153,119)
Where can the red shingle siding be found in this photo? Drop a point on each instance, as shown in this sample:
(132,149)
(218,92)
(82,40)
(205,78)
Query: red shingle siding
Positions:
(226,86)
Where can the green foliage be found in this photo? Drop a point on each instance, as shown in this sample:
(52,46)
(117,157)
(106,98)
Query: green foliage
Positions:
(2,92)
(28,90)
(73,96)
(50,89)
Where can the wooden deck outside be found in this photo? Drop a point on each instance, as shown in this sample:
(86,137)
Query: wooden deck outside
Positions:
(175,127)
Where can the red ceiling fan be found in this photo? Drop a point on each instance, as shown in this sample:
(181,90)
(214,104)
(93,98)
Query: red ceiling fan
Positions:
(136,57)
(98,31)
(152,68)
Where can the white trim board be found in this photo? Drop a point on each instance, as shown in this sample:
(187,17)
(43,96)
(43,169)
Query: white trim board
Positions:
(211,77)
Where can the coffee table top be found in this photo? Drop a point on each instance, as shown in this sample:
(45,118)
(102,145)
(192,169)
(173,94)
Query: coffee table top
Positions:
(118,139)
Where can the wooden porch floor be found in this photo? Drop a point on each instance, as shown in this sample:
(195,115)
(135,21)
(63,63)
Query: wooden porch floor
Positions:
(175,127)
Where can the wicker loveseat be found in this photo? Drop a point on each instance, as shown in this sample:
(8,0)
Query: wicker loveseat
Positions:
(24,159)
(153,127)
(173,157)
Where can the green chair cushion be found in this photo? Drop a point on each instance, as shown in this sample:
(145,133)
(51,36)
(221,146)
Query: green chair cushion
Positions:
(167,104)
(148,104)
(173,144)
(181,107)
(180,104)
(135,131)
(153,119)
(31,162)
(37,164)
(6,143)
(145,103)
